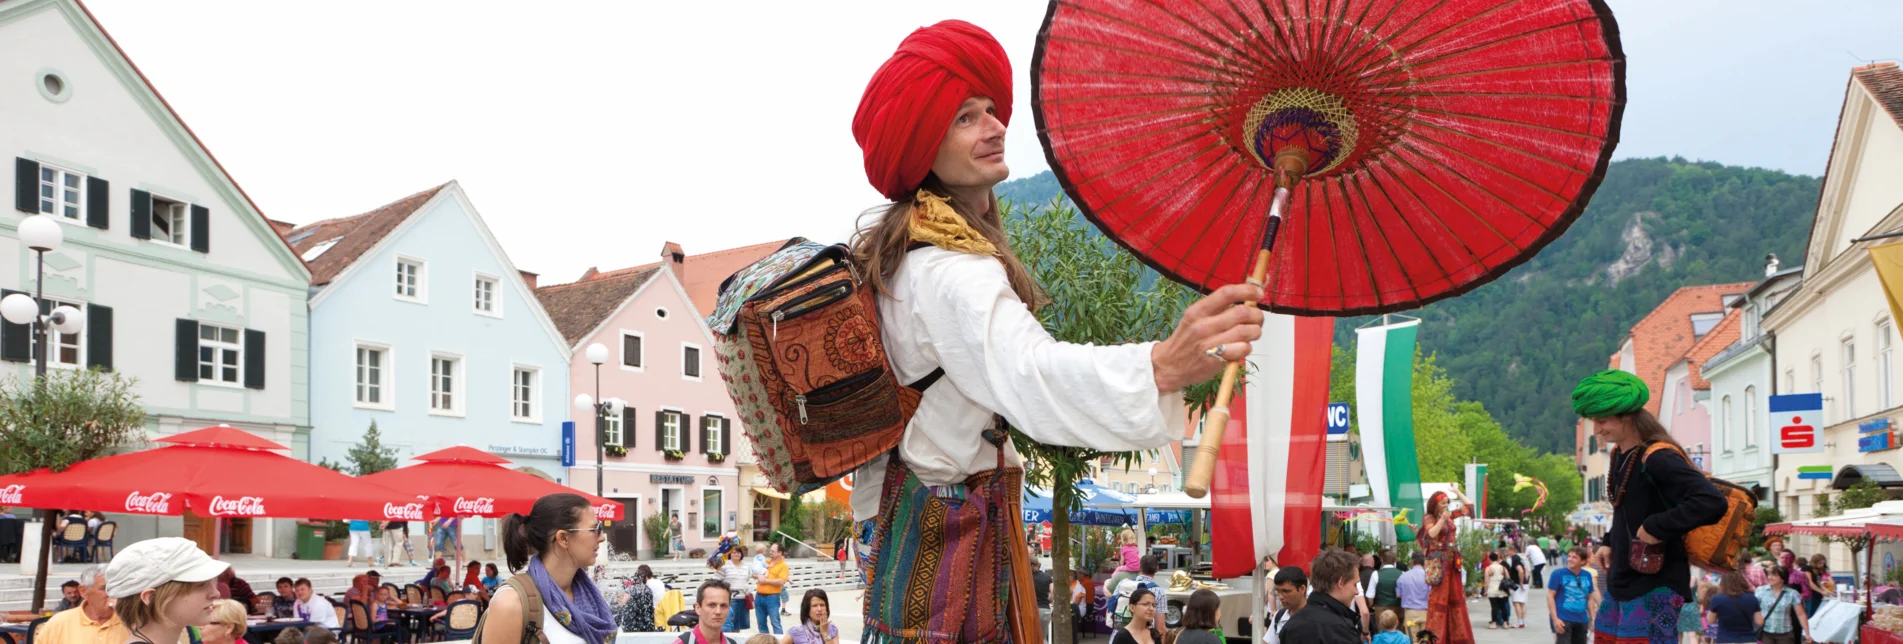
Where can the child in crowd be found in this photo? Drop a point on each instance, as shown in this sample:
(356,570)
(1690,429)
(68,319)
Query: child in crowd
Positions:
(1390,630)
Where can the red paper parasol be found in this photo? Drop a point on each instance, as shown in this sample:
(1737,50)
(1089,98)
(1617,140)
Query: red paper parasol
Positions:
(1409,151)
(1445,142)
(468,482)
(214,472)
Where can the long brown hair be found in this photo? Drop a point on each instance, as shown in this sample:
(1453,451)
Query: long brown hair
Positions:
(1649,428)
(881,247)
(1733,583)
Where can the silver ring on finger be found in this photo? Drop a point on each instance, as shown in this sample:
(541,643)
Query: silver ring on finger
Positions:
(1216,352)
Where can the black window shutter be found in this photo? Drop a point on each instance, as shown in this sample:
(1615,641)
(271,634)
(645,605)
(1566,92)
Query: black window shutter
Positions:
(16,340)
(26,186)
(726,436)
(142,217)
(201,229)
(99,337)
(703,436)
(185,364)
(660,431)
(253,359)
(627,426)
(98,200)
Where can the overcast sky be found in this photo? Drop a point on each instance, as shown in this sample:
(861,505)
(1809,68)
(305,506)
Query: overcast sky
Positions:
(587,134)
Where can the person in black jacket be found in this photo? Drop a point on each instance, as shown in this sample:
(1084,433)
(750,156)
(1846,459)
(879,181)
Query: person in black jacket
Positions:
(1657,497)
(1326,619)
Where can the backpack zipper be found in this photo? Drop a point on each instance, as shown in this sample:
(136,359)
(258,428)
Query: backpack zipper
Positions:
(801,398)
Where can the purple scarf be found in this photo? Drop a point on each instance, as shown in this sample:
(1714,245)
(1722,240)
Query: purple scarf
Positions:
(587,615)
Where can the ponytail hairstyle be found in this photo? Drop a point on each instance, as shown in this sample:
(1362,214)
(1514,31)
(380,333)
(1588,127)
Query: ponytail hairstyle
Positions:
(523,537)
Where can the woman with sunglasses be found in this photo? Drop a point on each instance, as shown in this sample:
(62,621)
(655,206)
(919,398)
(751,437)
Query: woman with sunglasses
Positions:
(1142,628)
(556,544)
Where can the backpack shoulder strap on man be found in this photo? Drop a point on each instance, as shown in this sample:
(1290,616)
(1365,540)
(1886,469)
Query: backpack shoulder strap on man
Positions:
(524,586)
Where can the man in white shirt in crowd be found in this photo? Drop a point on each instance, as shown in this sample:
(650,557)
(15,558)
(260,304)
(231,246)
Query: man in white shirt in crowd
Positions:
(1536,557)
(1291,589)
(312,607)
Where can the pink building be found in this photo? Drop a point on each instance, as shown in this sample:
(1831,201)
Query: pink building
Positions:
(671,452)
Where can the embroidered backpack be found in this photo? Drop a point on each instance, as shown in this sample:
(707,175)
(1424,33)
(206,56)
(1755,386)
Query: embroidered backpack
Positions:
(1716,545)
(796,338)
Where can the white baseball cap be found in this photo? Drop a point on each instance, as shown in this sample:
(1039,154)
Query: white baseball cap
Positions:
(150,563)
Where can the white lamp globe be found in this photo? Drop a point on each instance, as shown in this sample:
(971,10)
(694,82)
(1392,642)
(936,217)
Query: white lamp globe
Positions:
(585,402)
(41,233)
(615,405)
(67,320)
(19,308)
(597,354)
(1152,471)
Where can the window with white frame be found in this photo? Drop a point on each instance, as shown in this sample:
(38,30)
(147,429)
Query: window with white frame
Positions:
(409,279)
(523,384)
(445,384)
(1750,417)
(220,355)
(1886,378)
(62,192)
(170,218)
(1724,424)
(1850,377)
(690,361)
(713,506)
(714,426)
(631,350)
(68,349)
(671,431)
(611,430)
(486,295)
(1817,376)
(373,365)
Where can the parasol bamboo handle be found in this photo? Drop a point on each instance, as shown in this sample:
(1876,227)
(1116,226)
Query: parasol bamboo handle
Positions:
(1216,421)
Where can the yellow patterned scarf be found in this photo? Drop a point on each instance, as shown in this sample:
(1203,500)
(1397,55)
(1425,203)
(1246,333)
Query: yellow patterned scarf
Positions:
(936,223)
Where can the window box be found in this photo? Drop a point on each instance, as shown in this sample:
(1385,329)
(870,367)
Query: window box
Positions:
(674,455)
(615,450)
(716,457)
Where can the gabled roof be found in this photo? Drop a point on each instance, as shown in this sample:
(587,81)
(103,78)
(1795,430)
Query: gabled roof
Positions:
(289,255)
(1663,336)
(354,235)
(1885,83)
(701,274)
(1715,340)
(579,307)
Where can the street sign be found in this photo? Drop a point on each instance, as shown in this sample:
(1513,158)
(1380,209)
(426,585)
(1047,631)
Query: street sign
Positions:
(568,443)
(1338,421)
(1795,417)
(1814,472)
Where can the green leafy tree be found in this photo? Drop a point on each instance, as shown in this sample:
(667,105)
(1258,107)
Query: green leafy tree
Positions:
(1098,294)
(656,528)
(65,418)
(369,456)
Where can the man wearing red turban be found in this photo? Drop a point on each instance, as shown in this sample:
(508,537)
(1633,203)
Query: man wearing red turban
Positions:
(914,96)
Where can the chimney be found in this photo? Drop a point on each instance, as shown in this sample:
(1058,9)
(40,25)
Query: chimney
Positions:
(589,275)
(1770,264)
(676,260)
(529,278)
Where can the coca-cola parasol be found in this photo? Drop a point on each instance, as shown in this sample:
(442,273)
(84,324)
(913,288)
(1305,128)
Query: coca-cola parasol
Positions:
(1407,151)
(213,472)
(468,482)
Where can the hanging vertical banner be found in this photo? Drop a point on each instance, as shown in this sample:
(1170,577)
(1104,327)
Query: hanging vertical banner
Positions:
(568,443)
(1477,488)
(1888,260)
(1384,394)
(1266,496)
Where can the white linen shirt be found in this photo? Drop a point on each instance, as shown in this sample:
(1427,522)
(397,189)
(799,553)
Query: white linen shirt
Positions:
(957,311)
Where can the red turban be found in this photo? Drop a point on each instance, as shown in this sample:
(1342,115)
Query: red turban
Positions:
(914,96)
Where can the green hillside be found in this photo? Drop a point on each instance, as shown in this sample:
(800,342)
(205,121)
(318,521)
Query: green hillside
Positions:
(1517,345)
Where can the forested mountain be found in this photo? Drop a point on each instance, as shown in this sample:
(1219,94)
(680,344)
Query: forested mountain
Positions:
(1517,345)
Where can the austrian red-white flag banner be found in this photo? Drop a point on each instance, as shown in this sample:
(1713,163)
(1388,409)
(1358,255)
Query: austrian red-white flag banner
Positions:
(1266,496)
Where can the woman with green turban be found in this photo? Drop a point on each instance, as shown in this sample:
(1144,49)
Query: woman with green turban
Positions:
(1650,574)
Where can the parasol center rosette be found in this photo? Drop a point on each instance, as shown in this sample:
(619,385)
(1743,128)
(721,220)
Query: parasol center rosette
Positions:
(1427,147)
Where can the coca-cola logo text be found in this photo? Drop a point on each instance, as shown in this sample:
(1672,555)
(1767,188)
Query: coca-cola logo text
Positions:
(479,505)
(154,503)
(410,512)
(10,495)
(244,506)
(605,511)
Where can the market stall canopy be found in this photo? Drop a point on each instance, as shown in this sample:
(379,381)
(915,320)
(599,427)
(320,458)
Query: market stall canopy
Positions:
(467,482)
(217,471)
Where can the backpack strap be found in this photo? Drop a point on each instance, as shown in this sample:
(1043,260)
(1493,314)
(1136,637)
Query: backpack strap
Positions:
(1659,446)
(531,611)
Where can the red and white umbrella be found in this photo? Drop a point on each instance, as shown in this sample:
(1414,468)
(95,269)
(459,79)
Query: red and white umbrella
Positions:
(217,471)
(468,482)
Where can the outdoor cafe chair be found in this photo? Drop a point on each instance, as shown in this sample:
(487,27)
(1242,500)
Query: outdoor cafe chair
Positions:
(413,594)
(70,541)
(436,596)
(103,539)
(364,629)
(464,617)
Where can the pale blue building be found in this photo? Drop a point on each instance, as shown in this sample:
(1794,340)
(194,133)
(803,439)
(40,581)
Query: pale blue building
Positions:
(420,323)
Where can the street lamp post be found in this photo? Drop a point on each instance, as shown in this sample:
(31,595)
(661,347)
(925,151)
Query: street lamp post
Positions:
(598,355)
(43,235)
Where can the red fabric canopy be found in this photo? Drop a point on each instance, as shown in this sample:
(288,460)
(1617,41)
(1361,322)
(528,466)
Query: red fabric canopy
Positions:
(466,482)
(1820,530)
(1885,531)
(213,472)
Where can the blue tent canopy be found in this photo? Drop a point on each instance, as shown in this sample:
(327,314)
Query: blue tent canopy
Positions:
(1037,506)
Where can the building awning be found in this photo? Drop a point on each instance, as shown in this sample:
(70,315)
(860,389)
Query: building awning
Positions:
(771,492)
(1879,473)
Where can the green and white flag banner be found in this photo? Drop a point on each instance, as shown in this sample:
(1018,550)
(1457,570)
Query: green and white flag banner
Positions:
(1384,399)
